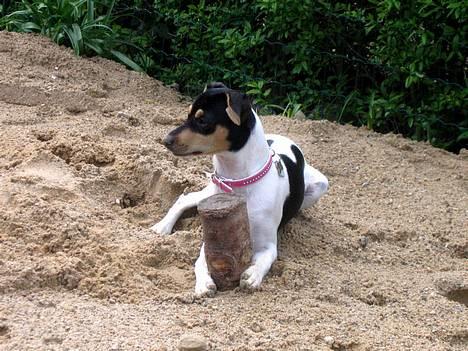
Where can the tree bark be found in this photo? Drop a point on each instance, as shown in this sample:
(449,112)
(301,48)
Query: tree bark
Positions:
(226,234)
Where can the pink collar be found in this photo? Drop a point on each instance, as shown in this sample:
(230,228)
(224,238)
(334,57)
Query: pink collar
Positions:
(226,184)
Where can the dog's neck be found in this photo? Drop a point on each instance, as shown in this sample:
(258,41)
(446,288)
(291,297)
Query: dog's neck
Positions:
(246,161)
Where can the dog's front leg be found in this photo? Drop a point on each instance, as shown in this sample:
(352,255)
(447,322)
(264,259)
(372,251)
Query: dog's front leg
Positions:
(184,202)
(204,285)
(264,245)
(262,261)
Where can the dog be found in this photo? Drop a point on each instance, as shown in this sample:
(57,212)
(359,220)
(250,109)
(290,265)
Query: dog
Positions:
(269,170)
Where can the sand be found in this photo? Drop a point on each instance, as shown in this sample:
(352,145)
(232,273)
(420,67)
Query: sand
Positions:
(380,263)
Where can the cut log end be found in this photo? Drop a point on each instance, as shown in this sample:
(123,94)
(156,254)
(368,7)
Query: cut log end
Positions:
(221,205)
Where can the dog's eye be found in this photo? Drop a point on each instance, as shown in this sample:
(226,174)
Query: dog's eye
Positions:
(202,122)
(204,126)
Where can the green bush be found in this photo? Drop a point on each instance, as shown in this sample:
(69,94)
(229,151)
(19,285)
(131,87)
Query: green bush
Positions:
(394,66)
(391,65)
(424,91)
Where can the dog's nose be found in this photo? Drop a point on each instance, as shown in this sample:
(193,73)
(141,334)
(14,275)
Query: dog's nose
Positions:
(169,141)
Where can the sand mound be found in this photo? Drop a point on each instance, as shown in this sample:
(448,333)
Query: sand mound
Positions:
(379,263)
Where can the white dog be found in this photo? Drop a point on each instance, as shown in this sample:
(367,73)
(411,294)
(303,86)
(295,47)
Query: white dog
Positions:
(269,170)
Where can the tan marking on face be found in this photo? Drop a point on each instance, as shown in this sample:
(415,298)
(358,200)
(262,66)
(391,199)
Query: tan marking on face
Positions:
(199,113)
(190,109)
(188,141)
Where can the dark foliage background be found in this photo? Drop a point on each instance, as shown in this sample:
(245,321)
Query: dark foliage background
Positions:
(394,66)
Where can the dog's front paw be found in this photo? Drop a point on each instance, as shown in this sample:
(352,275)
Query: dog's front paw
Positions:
(162,228)
(251,279)
(205,288)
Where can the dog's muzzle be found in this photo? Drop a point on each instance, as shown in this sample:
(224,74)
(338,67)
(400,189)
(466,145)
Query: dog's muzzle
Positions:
(169,141)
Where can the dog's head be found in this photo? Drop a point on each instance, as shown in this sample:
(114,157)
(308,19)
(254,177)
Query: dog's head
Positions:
(220,119)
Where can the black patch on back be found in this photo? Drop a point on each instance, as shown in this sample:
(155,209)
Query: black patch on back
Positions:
(294,201)
(269,141)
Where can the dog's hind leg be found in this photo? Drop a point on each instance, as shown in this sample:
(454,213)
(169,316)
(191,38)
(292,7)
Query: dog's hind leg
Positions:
(184,202)
(204,285)
(315,183)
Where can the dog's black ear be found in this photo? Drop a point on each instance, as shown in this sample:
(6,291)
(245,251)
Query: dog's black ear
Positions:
(238,107)
(215,85)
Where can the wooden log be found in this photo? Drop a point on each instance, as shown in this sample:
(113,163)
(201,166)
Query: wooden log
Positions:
(226,234)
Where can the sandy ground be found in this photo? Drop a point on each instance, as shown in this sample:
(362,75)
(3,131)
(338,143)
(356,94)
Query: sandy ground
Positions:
(379,264)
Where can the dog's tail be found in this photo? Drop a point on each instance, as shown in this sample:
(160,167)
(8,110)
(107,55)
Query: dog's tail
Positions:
(300,162)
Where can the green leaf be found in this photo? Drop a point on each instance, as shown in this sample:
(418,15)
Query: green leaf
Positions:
(126,60)
(75,37)
(95,46)
(90,15)
(408,81)
(252,92)
(463,136)
(30,27)
(424,38)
